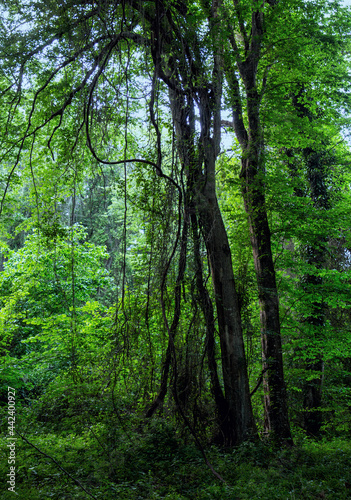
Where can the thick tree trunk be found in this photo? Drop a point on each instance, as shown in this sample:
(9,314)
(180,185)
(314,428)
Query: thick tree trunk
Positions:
(199,167)
(235,378)
(240,422)
(250,138)
(252,176)
(207,310)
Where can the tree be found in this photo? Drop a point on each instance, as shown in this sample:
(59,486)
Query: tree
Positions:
(261,41)
(252,174)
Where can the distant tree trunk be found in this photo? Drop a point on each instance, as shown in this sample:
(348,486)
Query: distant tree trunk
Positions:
(316,256)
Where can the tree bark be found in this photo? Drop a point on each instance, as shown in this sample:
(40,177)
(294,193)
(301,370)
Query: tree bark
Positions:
(276,420)
(240,422)
(236,385)
(186,83)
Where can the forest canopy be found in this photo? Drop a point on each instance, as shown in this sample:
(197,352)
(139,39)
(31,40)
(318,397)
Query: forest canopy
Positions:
(175,244)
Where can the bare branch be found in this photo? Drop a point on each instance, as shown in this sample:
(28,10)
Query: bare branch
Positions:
(259,382)
(58,465)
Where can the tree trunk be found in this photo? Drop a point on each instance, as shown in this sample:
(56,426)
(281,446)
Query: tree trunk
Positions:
(253,190)
(198,166)
(235,378)
(276,420)
(200,170)
(207,310)
(240,423)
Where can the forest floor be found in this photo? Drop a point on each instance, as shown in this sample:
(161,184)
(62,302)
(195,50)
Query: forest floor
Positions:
(106,462)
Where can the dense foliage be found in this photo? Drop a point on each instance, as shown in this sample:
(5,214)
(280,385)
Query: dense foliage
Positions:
(175,248)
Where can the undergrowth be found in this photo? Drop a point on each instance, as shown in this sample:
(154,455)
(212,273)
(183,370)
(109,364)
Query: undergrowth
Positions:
(115,459)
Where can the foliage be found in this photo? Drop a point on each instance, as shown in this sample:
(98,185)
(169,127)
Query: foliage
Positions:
(111,460)
(110,118)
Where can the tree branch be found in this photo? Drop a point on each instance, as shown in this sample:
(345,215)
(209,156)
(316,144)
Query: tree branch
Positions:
(58,465)
(259,382)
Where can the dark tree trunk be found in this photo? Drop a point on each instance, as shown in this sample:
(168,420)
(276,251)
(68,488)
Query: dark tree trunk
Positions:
(240,423)
(236,384)
(200,170)
(253,190)
(207,310)
(275,401)
(184,75)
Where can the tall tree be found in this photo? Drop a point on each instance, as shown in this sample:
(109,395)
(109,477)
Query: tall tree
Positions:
(243,63)
(262,70)
(180,64)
